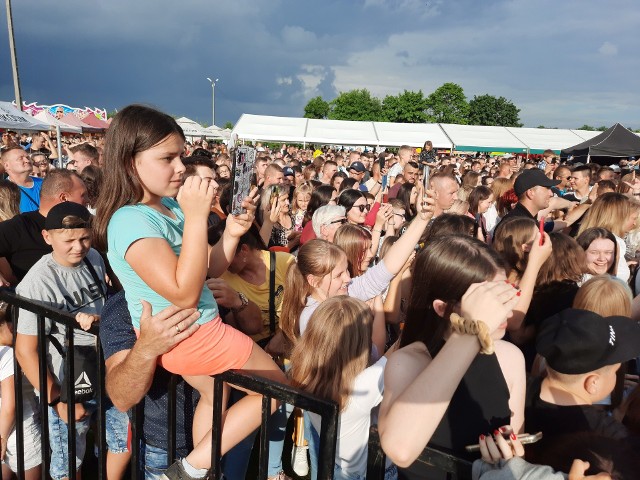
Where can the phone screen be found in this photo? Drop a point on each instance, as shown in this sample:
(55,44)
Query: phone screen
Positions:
(425,177)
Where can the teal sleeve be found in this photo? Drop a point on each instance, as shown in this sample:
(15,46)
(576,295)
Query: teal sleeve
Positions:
(129,225)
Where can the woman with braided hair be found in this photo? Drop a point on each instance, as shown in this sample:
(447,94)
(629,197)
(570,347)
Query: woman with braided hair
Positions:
(452,379)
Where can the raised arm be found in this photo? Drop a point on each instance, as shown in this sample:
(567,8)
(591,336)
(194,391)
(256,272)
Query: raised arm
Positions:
(418,389)
(178,279)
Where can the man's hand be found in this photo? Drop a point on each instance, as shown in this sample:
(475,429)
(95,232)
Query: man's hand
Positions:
(161,332)
(225,295)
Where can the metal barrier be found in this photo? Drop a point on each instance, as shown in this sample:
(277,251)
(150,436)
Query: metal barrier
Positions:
(327,410)
(69,321)
(455,468)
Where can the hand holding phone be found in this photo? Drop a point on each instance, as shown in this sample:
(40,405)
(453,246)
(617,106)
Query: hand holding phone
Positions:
(523,438)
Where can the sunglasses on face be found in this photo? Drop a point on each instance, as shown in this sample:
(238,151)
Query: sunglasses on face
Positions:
(362,208)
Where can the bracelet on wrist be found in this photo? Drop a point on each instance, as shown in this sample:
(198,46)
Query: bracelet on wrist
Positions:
(473,327)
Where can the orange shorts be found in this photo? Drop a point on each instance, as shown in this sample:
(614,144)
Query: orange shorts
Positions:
(214,348)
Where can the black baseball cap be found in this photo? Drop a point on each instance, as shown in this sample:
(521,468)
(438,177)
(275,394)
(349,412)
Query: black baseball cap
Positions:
(55,217)
(358,167)
(533,177)
(580,341)
(288,172)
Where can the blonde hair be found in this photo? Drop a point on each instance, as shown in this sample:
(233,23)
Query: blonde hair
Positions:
(354,240)
(610,211)
(9,200)
(501,186)
(318,258)
(459,207)
(305,188)
(605,295)
(334,350)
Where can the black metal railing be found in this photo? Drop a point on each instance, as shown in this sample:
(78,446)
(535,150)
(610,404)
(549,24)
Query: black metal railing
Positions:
(67,320)
(456,468)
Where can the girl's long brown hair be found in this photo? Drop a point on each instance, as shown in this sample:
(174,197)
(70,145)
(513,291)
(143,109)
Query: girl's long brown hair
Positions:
(317,258)
(334,349)
(444,270)
(134,129)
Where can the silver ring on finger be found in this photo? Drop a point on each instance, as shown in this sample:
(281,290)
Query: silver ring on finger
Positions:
(178,329)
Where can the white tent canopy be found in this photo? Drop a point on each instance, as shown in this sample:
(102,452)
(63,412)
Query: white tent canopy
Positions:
(544,138)
(459,137)
(54,122)
(13,119)
(398,134)
(191,128)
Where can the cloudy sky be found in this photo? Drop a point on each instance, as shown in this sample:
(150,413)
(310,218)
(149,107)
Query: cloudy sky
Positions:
(563,63)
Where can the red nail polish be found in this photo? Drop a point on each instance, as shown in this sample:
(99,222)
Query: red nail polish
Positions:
(518,293)
(502,429)
(496,433)
(513,436)
(507,282)
(481,437)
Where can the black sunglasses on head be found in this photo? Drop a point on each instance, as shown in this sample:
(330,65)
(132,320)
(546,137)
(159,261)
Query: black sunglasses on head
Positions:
(341,221)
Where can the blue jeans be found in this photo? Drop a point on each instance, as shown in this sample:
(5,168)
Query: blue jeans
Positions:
(116,425)
(156,461)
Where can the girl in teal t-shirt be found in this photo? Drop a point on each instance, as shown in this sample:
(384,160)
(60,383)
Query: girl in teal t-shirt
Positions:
(157,247)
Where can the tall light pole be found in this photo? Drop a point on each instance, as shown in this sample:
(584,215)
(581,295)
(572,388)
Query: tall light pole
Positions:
(14,57)
(213,100)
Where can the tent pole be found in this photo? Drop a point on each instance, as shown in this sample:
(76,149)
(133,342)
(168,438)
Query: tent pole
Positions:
(59,141)
(14,58)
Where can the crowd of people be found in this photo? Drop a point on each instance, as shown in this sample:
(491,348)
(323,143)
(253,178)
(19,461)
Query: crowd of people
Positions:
(456,301)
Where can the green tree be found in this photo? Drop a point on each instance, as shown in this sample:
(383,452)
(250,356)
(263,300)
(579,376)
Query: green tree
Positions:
(587,127)
(602,128)
(356,105)
(496,111)
(406,107)
(228,125)
(541,126)
(316,108)
(448,104)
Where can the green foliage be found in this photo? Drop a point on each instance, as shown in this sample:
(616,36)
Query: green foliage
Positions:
(587,127)
(448,105)
(541,126)
(112,113)
(228,125)
(355,105)
(316,108)
(602,128)
(406,107)
(496,111)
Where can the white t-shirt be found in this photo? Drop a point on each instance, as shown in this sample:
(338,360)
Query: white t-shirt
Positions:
(395,170)
(355,419)
(6,371)
(623,272)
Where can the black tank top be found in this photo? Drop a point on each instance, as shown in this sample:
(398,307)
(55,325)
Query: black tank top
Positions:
(479,405)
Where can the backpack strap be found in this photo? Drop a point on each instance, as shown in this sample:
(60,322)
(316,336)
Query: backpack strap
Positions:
(94,275)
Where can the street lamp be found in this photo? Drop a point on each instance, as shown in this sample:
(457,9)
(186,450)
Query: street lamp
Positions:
(213,99)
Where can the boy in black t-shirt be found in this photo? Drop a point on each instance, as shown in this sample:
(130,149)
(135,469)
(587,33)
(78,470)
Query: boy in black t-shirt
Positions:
(583,352)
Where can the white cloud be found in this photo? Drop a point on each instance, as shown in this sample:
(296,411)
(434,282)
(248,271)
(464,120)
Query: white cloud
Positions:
(608,48)
(284,80)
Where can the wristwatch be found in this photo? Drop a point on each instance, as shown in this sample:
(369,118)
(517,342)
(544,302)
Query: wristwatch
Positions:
(244,301)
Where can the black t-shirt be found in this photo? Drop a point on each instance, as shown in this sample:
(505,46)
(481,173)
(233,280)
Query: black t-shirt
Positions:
(117,334)
(556,421)
(21,242)
(521,211)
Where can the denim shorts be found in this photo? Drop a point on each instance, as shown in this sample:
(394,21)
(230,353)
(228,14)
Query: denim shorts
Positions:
(117,429)
(156,461)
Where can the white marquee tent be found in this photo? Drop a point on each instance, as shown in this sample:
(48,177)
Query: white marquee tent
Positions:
(54,122)
(459,137)
(191,128)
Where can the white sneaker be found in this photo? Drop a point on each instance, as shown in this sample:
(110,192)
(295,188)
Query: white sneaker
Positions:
(299,460)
